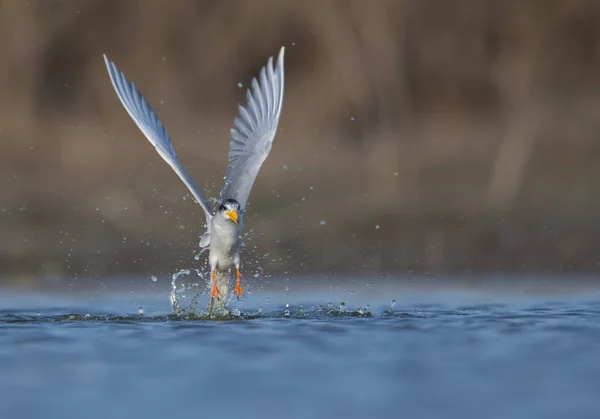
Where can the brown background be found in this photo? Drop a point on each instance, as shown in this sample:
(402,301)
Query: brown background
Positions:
(468,131)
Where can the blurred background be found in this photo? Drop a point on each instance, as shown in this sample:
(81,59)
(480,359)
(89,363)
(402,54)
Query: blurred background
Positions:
(417,137)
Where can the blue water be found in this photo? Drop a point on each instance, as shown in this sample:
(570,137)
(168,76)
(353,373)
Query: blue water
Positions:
(443,354)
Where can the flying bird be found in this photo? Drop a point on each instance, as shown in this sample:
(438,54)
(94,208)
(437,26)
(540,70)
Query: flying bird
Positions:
(250,143)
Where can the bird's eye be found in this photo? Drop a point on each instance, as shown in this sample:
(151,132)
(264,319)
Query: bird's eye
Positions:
(230,204)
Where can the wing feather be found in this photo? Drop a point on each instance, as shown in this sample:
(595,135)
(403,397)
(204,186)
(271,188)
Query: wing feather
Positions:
(254,130)
(147,121)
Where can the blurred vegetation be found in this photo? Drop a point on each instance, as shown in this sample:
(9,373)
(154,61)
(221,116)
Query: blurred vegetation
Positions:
(429,136)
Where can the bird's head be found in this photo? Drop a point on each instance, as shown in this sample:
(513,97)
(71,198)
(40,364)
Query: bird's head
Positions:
(230,209)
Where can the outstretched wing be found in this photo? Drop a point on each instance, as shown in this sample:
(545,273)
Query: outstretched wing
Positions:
(253,131)
(147,121)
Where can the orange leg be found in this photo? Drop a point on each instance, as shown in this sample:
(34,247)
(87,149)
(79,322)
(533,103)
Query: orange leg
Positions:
(215,291)
(238,289)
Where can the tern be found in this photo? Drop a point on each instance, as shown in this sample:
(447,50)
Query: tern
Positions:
(251,140)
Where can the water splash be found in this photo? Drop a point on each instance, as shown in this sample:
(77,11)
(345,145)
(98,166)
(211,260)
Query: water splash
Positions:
(139,316)
(363,311)
(390,310)
(200,252)
(180,290)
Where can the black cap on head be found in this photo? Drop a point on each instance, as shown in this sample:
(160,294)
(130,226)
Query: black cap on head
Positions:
(229,204)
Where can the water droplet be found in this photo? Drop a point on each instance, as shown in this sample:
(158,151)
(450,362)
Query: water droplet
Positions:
(287,310)
(392,304)
(153,278)
(352,118)
(284,166)
(141,311)
(240,85)
(377,227)
(395,173)
(322,222)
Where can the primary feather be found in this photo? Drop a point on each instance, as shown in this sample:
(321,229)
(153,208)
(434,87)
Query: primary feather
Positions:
(253,131)
(147,121)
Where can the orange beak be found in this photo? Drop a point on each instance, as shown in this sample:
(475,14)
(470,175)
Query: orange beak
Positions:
(232,215)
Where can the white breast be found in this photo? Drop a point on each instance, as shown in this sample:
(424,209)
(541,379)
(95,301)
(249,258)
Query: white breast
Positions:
(224,242)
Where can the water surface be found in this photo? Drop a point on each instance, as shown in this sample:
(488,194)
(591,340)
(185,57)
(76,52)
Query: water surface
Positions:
(450,354)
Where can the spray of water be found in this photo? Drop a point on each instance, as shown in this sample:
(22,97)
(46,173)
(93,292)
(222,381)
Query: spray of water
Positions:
(181,291)
(184,288)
